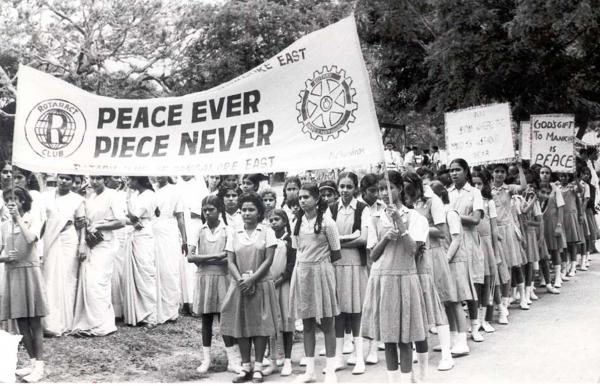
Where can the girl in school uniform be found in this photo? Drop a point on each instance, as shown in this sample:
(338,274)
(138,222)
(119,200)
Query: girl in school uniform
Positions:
(507,232)
(532,216)
(544,252)
(432,267)
(212,278)
(281,270)
(269,197)
(230,194)
(291,186)
(466,200)
(369,187)
(250,308)
(250,183)
(329,191)
(312,289)
(394,310)
(554,234)
(572,220)
(24,293)
(495,272)
(351,270)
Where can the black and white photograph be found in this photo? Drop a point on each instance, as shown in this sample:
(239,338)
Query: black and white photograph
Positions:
(304,191)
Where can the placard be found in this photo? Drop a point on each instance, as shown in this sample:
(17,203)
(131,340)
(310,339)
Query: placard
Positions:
(480,134)
(552,138)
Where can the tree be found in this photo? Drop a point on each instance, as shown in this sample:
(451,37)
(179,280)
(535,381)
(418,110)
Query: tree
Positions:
(241,35)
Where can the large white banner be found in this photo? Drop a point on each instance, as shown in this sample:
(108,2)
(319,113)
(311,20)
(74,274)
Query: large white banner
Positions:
(480,134)
(552,141)
(308,107)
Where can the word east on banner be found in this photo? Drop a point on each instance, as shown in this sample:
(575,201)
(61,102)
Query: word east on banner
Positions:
(310,105)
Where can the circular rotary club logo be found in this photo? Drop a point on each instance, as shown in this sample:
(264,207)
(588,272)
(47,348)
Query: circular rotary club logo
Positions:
(55,128)
(326,107)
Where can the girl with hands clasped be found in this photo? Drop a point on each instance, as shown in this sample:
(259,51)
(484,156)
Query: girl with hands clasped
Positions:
(24,291)
(250,309)
(394,310)
(211,278)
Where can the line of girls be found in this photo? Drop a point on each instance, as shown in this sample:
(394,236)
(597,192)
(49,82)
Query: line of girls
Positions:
(432,246)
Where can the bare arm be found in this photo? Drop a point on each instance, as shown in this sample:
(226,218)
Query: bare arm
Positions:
(214,257)
(474,219)
(454,246)
(181,226)
(438,231)
(233,269)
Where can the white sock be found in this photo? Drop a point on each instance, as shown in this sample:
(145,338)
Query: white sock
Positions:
(445,340)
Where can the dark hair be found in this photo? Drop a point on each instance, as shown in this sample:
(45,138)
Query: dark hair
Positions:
(442,194)
(425,171)
(3,164)
(21,194)
(217,202)
(486,191)
(144,182)
(268,190)
(367,181)
(415,182)
(292,179)
(501,166)
(396,179)
(464,166)
(329,184)
(353,177)
(255,199)
(254,178)
(281,213)
(313,190)
(31,182)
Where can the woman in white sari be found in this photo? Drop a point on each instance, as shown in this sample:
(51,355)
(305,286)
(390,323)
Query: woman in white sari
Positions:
(94,313)
(63,242)
(139,268)
(171,241)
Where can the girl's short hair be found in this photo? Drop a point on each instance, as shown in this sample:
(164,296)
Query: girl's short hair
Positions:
(367,181)
(268,191)
(255,199)
(21,194)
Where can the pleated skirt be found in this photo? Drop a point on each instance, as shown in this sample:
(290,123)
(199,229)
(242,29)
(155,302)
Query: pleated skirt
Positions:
(593,226)
(572,227)
(24,294)
(350,284)
(533,251)
(245,316)
(442,277)
(394,309)
(510,245)
(210,292)
(313,291)
(465,289)
(436,315)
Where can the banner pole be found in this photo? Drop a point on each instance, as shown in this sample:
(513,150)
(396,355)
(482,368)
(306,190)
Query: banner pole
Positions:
(12,188)
(386,176)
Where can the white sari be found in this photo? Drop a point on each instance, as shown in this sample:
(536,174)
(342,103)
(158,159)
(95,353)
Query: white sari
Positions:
(167,242)
(94,313)
(60,263)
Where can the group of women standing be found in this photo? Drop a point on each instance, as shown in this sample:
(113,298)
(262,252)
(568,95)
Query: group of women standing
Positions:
(391,259)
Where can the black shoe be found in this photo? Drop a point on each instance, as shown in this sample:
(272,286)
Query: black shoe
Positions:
(242,377)
(257,379)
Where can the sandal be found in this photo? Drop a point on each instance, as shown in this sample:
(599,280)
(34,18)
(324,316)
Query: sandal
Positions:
(258,379)
(243,376)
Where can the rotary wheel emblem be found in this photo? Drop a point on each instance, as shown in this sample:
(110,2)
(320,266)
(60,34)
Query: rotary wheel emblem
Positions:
(327,105)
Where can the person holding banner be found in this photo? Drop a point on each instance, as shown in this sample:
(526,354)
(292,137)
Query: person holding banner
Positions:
(170,239)
(312,288)
(105,212)
(250,311)
(64,244)
(508,228)
(139,266)
(394,310)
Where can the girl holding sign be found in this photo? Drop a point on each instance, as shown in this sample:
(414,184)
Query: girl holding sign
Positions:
(507,231)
